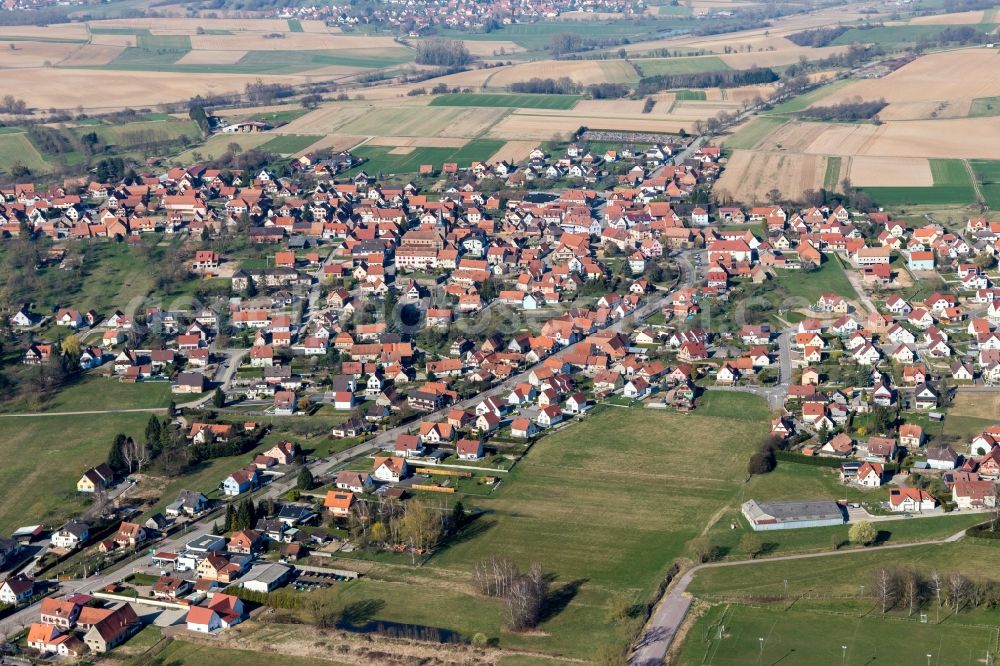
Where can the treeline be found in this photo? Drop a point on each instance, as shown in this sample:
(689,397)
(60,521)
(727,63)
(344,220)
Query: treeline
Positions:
(570,42)
(561,86)
(608,90)
(443,53)
(818,36)
(855,55)
(258,92)
(14,106)
(852,110)
(964,34)
(913,591)
(718,79)
(237,444)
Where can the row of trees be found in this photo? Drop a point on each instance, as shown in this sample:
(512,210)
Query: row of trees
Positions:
(242,517)
(720,79)
(524,594)
(818,36)
(910,590)
(850,110)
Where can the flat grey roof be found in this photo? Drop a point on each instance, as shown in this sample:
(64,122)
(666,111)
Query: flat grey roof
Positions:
(791,510)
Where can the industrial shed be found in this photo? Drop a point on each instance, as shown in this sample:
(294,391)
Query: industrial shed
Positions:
(787,515)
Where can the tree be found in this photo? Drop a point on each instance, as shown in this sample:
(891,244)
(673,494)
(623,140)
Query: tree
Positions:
(458,516)
(251,289)
(701,548)
(71,345)
(116,456)
(750,545)
(863,533)
(885,589)
(219,398)
(494,575)
(230,518)
(761,462)
(525,600)
(959,588)
(937,585)
(305,479)
(153,430)
(911,591)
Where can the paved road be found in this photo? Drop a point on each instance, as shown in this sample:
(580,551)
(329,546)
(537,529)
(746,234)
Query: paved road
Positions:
(652,648)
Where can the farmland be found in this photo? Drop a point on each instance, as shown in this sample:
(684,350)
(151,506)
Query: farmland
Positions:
(608,527)
(385,159)
(952,185)
(751,174)
(750,134)
(988,175)
(507,101)
(657,66)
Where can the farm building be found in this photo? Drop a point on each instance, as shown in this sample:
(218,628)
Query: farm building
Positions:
(792,514)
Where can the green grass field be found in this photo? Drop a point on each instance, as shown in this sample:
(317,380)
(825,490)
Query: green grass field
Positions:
(515,101)
(818,637)
(536,36)
(751,134)
(218,144)
(16,147)
(897,35)
(693,65)
(182,653)
(952,185)
(810,286)
(295,25)
(45,456)
(831,180)
(690,95)
(94,392)
(379,159)
(984,106)
(988,175)
(583,506)
(163,54)
(287,144)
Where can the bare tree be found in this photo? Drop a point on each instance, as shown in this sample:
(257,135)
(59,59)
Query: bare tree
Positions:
(135,454)
(495,575)
(936,587)
(959,588)
(912,589)
(885,589)
(523,604)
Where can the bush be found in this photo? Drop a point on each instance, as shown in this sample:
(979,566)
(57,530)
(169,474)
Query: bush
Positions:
(761,463)
(863,533)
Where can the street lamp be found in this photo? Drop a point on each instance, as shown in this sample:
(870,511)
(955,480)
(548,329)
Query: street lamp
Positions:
(928,659)
(844,649)
(760,639)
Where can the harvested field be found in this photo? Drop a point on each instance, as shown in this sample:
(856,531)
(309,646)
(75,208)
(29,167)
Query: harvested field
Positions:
(324,120)
(34,54)
(92,55)
(402,150)
(792,136)
(211,57)
(926,110)
(317,26)
(968,137)
(601,107)
(424,121)
(751,174)
(416,141)
(869,171)
(514,151)
(539,126)
(583,72)
(115,40)
(957,18)
(743,94)
(59,31)
(333,142)
(189,26)
(948,76)
(68,88)
(292,41)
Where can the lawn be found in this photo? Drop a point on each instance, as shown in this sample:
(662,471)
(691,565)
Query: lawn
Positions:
(988,175)
(732,405)
(286,144)
(694,65)
(830,277)
(45,456)
(219,144)
(818,638)
(518,101)
(985,106)
(15,147)
(750,134)
(380,159)
(952,185)
(124,135)
(583,506)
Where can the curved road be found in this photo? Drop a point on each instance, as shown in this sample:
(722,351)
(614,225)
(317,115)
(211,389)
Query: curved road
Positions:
(652,648)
